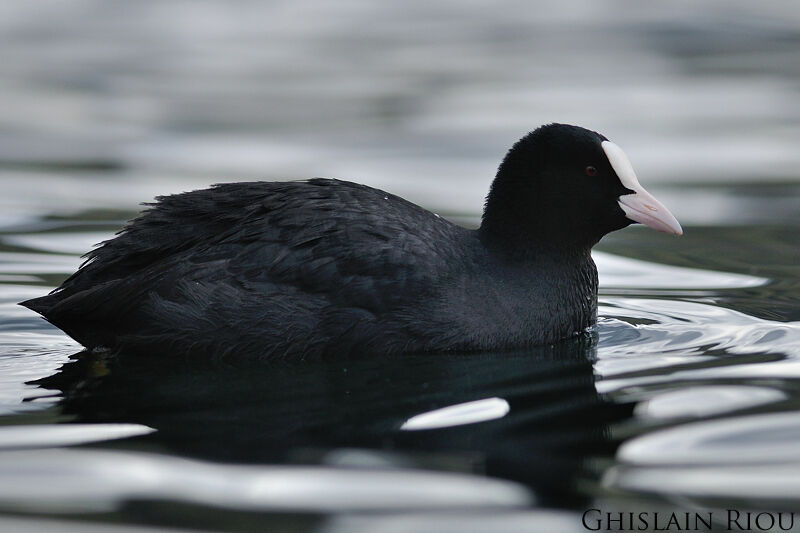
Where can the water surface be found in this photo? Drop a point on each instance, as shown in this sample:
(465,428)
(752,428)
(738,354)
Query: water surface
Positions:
(684,397)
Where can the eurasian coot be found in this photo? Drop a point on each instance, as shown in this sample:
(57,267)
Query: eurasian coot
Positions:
(329,267)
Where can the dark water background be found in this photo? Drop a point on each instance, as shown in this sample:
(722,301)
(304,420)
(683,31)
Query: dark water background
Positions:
(686,398)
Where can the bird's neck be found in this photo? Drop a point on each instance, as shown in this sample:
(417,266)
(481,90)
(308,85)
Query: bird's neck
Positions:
(524,245)
(529,221)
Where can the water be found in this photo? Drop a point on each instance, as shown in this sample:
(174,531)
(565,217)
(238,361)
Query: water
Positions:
(686,398)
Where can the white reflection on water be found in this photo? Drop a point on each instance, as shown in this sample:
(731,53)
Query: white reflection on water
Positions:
(74,480)
(534,520)
(38,525)
(748,482)
(706,401)
(52,435)
(63,242)
(459,415)
(760,438)
(14,262)
(751,457)
(650,336)
(623,272)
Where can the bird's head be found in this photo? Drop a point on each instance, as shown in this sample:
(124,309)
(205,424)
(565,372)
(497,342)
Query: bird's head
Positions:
(566,185)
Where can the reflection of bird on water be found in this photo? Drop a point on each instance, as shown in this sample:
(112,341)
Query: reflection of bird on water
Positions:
(302,411)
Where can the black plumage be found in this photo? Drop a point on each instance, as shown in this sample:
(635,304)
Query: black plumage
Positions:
(329,267)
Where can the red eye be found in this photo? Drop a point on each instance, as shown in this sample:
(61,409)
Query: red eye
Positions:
(591,171)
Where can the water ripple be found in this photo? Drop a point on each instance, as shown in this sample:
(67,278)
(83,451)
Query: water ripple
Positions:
(96,481)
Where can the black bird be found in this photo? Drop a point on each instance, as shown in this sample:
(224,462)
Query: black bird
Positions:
(329,267)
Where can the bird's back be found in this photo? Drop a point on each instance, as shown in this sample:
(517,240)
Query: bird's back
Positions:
(259,267)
